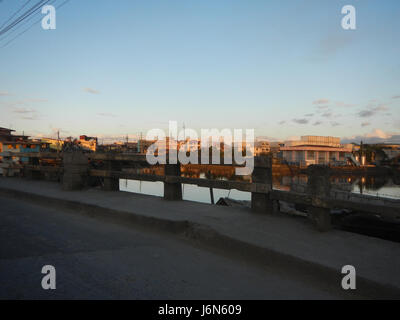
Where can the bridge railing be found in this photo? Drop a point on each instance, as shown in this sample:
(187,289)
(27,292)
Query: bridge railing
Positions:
(75,170)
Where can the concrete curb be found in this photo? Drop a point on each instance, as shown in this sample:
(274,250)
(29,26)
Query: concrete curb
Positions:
(205,236)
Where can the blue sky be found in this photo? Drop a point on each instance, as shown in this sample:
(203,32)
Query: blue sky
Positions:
(285,68)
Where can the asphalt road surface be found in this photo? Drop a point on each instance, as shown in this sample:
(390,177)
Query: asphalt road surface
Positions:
(95,259)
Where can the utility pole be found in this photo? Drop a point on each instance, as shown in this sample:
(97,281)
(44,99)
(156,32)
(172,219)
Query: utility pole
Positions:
(139,143)
(361,153)
(184,138)
(58,141)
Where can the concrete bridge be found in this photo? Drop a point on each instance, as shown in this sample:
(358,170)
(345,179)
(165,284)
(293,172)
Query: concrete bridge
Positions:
(244,252)
(77,170)
(123,245)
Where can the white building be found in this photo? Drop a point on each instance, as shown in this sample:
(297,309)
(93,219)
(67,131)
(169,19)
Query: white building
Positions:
(315,150)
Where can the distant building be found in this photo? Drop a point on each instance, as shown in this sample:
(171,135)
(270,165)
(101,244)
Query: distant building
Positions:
(89,143)
(12,148)
(190,145)
(391,153)
(5,133)
(261,147)
(139,146)
(7,136)
(54,144)
(316,150)
(275,147)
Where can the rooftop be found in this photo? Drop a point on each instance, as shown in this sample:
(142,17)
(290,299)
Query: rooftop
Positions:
(6,129)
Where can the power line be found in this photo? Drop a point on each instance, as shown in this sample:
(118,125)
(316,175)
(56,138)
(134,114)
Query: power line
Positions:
(36,22)
(62,4)
(26,22)
(35,9)
(18,11)
(24,16)
(17,27)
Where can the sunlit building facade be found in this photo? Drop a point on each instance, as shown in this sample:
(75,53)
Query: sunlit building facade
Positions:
(316,150)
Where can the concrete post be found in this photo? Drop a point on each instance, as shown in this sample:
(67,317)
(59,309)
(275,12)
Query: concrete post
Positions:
(110,183)
(319,187)
(172,191)
(276,206)
(32,174)
(262,173)
(75,170)
(51,176)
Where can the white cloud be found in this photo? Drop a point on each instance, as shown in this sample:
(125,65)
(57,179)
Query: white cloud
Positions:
(327,114)
(321,101)
(104,114)
(23,110)
(342,104)
(378,133)
(90,90)
(370,111)
(375,136)
(31,117)
(266,138)
(300,121)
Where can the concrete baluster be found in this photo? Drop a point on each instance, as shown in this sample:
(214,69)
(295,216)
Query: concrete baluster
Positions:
(319,187)
(262,174)
(172,190)
(76,166)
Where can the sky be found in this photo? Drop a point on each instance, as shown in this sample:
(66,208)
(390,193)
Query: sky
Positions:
(284,68)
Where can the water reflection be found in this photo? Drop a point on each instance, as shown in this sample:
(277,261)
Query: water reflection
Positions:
(189,192)
(381,186)
(370,184)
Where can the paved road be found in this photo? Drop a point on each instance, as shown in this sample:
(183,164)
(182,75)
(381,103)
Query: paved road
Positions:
(95,259)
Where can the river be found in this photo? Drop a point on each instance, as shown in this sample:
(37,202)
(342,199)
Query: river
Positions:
(381,186)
